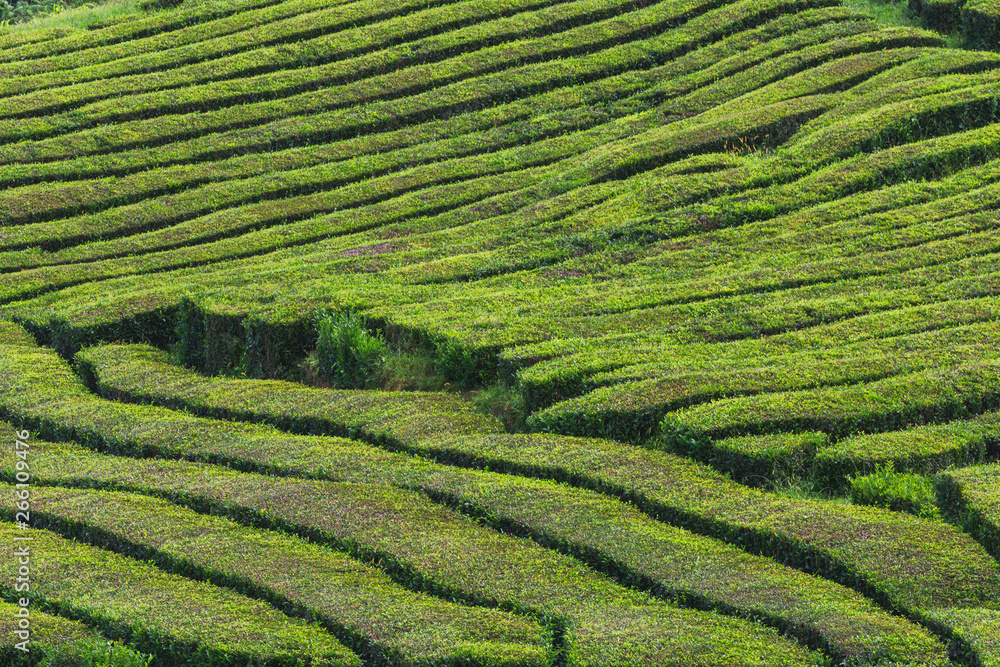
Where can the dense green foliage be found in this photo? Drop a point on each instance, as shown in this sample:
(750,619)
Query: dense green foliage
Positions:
(346,353)
(705,291)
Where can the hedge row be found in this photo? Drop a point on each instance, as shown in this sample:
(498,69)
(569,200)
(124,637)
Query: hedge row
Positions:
(978,628)
(383,47)
(902,122)
(317,125)
(924,243)
(379,619)
(811,366)
(13,334)
(164,614)
(52,636)
(550,370)
(530,237)
(359,181)
(132,431)
(977,20)
(935,394)
(219,243)
(969,496)
(834,26)
(940,257)
(10,39)
(111,313)
(943,76)
(526,318)
(595,290)
(297,207)
(631,409)
(53,55)
(131,30)
(901,492)
(318,128)
(867,635)
(431,548)
(835,539)
(786,71)
(940,15)
(283,90)
(981,23)
(379,113)
(799,205)
(141,373)
(640,550)
(924,449)
(796,194)
(296,170)
(954,281)
(758,460)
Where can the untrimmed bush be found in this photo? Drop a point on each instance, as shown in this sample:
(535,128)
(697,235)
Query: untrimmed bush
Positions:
(347,354)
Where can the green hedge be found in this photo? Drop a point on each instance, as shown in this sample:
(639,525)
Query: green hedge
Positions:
(969,497)
(363,607)
(759,460)
(981,23)
(59,640)
(900,492)
(977,628)
(921,449)
(941,15)
(166,614)
(247,52)
(176,29)
(432,549)
(639,550)
(397,419)
(267,96)
(883,405)
(834,540)
(234,205)
(74,40)
(541,509)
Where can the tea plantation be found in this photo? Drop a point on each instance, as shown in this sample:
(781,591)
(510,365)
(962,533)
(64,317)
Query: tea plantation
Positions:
(501,333)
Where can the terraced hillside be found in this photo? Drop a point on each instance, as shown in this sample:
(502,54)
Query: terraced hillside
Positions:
(731,265)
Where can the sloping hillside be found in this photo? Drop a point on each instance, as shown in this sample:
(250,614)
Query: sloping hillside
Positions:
(734,263)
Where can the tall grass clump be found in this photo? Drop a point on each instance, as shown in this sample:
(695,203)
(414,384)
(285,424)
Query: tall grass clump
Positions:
(347,354)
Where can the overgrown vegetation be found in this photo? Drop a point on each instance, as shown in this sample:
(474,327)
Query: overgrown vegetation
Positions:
(596,333)
(347,354)
(62,15)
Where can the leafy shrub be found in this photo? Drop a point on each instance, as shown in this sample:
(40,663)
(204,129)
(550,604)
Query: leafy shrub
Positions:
(25,10)
(902,492)
(347,355)
(410,371)
(459,364)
